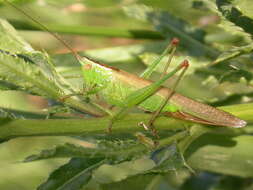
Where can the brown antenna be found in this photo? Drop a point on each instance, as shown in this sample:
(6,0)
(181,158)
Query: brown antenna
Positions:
(77,56)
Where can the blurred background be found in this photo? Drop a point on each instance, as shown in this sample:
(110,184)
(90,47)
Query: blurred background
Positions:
(108,39)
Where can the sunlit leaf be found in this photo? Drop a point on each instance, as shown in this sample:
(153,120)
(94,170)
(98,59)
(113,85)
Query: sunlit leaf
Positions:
(167,158)
(230,155)
(27,76)
(103,150)
(192,38)
(33,72)
(234,52)
(72,176)
(234,15)
(224,23)
(10,40)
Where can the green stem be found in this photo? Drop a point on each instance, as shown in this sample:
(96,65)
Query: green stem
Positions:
(51,127)
(60,127)
(90,30)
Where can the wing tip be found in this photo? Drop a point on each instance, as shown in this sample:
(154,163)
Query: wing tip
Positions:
(235,123)
(240,124)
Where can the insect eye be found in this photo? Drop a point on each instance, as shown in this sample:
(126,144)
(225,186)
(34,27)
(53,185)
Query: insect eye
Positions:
(87,66)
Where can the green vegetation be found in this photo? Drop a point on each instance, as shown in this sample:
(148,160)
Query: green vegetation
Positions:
(62,142)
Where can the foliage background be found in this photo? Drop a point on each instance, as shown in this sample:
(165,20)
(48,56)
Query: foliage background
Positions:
(128,50)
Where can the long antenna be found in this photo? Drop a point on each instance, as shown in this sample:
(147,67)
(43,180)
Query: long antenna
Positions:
(77,56)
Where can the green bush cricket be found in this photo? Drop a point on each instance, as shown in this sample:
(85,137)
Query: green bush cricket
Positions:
(126,90)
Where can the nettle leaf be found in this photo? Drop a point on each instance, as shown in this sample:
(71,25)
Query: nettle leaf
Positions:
(4,85)
(237,98)
(72,176)
(31,69)
(10,40)
(5,117)
(167,158)
(66,151)
(234,52)
(49,70)
(170,26)
(233,14)
(27,77)
(118,172)
(6,114)
(245,6)
(160,161)
(224,23)
(115,151)
(222,72)
(138,182)
(235,75)
(202,180)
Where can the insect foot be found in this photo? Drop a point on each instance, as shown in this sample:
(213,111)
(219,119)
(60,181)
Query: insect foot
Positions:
(150,128)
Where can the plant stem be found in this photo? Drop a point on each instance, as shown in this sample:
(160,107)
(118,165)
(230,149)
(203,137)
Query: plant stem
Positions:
(60,127)
(35,127)
(90,30)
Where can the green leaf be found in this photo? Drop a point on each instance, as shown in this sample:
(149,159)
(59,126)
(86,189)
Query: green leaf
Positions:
(238,98)
(224,23)
(134,182)
(12,42)
(115,151)
(167,158)
(32,71)
(118,172)
(191,38)
(231,183)
(235,75)
(224,72)
(27,77)
(234,15)
(4,114)
(7,86)
(72,176)
(201,181)
(234,52)
(222,154)
(245,6)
